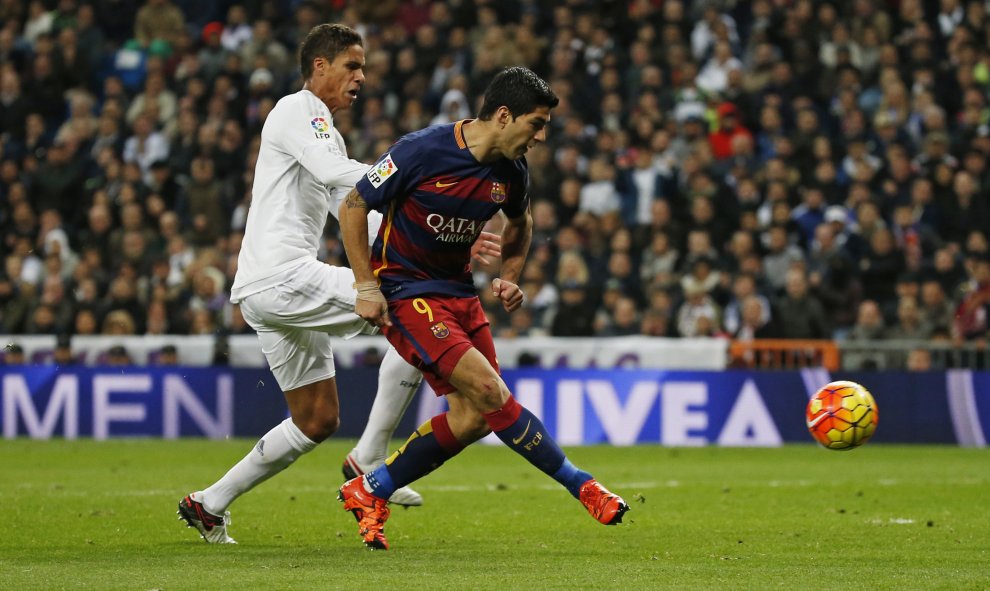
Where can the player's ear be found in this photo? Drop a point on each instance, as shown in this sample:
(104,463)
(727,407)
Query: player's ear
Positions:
(503,116)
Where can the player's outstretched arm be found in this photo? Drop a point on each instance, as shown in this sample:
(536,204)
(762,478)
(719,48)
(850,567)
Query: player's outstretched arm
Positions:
(353,216)
(516,236)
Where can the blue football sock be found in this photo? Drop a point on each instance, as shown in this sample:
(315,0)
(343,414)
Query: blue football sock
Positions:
(426,450)
(526,435)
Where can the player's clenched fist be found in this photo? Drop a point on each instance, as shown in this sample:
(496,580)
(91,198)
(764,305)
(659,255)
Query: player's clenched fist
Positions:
(370,303)
(509,293)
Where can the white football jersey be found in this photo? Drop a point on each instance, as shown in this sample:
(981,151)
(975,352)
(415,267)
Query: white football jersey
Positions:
(303,173)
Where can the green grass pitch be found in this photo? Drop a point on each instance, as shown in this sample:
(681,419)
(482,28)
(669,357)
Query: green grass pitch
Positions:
(101,515)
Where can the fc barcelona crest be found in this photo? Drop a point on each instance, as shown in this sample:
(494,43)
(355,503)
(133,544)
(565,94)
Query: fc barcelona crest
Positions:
(440,330)
(498,192)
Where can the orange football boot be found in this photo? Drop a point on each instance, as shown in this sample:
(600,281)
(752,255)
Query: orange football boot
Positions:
(370,511)
(605,506)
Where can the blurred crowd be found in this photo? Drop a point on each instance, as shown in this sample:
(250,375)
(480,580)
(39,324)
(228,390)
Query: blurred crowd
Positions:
(758,169)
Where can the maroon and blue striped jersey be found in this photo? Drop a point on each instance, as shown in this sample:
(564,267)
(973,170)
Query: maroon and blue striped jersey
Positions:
(436,198)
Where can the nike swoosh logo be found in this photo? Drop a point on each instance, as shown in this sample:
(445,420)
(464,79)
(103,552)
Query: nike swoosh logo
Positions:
(516,441)
(442,185)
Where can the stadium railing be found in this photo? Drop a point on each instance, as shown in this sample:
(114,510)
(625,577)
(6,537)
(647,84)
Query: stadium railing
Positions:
(784,354)
(895,354)
(771,354)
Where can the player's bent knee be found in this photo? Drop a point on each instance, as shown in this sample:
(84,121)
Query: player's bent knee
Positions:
(488,393)
(320,428)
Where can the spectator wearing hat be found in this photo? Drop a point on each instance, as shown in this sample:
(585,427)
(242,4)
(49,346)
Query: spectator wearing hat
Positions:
(729,128)
(694,127)
(454,106)
(838,217)
(212,55)
(261,81)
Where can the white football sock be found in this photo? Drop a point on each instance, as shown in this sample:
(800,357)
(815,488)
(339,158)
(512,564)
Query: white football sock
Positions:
(397,385)
(272,454)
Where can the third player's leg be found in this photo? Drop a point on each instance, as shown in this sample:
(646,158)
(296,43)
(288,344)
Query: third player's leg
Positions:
(315,408)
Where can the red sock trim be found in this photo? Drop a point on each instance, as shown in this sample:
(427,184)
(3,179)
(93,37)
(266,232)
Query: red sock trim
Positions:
(445,437)
(505,417)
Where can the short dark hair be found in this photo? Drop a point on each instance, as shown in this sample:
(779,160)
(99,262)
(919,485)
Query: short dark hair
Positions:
(519,90)
(326,41)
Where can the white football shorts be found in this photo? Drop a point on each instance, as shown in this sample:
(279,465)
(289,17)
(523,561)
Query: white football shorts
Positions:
(296,318)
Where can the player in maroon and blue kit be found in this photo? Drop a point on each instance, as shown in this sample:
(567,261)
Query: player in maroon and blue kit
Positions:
(437,188)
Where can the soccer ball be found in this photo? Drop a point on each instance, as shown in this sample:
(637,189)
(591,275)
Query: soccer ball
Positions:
(842,415)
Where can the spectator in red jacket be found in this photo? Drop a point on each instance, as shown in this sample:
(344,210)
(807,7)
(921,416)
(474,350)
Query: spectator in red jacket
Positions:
(729,126)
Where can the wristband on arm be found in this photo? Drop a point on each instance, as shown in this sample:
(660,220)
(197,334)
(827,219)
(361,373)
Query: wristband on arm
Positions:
(369,291)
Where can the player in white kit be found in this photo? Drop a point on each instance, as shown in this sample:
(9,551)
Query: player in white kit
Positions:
(294,301)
